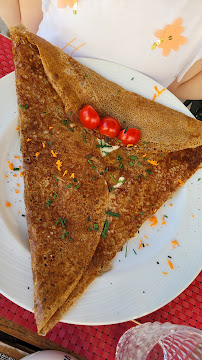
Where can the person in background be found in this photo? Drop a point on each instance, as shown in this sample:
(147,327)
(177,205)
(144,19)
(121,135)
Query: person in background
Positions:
(160,38)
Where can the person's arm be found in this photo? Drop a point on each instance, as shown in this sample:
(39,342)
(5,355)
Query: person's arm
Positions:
(28,13)
(10,12)
(190,87)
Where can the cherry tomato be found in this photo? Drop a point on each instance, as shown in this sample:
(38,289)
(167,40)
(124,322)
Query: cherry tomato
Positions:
(109,126)
(89,117)
(130,136)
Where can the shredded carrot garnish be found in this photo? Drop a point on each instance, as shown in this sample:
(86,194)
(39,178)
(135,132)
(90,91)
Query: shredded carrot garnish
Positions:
(170,264)
(50,127)
(145,237)
(174,243)
(44,145)
(163,220)
(65,172)
(18,212)
(16,157)
(10,165)
(154,97)
(192,214)
(159,92)
(20,167)
(171,204)
(144,155)
(28,139)
(164,273)
(141,244)
(180,182)
(72,175)
(129,145)
(54,153)
(153,220)
(147,244)
(59,164)
(6,176)
(21,174)
(37,154)
(155,210)
(17,191)
(18,127)
(152,162)
(17,184)
(15,175)
(8,204)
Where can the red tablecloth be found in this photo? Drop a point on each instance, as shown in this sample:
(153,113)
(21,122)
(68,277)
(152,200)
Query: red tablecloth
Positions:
(99,342)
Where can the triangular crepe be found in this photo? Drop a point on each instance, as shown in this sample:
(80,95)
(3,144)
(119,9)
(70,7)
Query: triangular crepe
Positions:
(150,171)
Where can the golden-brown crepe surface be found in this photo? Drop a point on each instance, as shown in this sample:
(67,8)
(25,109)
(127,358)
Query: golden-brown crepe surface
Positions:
(62,199)
(150,176)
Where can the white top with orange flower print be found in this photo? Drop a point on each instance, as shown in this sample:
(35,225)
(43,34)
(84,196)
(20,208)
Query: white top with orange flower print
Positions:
(160,38)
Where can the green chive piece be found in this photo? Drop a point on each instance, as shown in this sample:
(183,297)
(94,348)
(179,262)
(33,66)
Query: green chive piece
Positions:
(133,157)
(106,169)
(149,171)
(119,158)
(50,143)
(66,122)
(62,222)
(112,177)
(111,189)
(75,179)
(51,133)
(169,189)
(126,130)
(132,78)
(70,113)
(89,157)
(105,229)
(121,166)
(112,214)
(65,234)
(90,162)
(199,179)
(15,169)
(165,216)
(84,139)
(56,179)
(23,215)
(71,129)
(139,163)
(135,217)
(68,186)
(44,112)
(24,107)
(107,153)
(119,91)
(55,195)
(88,218)
(131,163)
(76,187)
(49,202)
(90,229)
(57,222)
(134,252)
(94,178)
(86,75)
(126,252)
(142,213)
(96,227)
(70,238)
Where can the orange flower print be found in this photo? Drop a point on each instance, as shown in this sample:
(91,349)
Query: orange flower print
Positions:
(170,37)
(63,3)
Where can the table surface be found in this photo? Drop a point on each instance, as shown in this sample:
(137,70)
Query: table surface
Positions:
(90,342)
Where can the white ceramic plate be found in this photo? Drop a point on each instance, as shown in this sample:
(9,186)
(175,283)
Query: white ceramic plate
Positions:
(136,285)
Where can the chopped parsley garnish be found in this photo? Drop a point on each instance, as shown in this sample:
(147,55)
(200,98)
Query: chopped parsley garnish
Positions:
(105,229)
(96,227)
(112,177)
(65,234)
(66,122)
(49,202)
(133,157)
(131,163)
(68,186)
(112,214)
(24,107)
